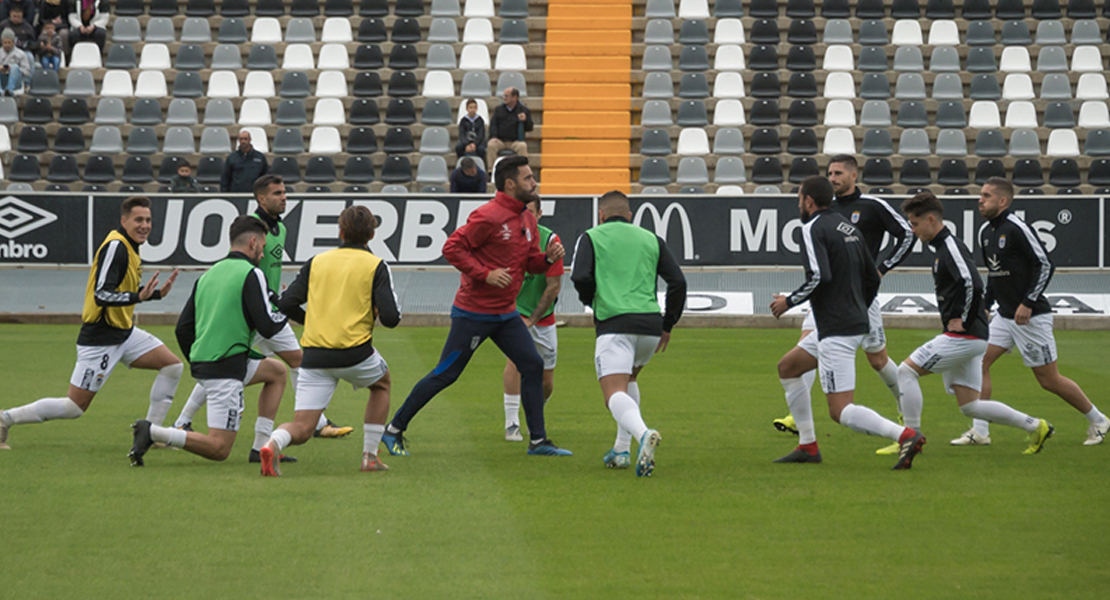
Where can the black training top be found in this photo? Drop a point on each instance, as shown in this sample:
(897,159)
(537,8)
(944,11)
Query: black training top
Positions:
(958,286)
(874,217)
(1018,265)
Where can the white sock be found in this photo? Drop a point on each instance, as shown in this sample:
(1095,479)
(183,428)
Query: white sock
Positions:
(281,439)
(889,375)
(627,414)
(1094,416)
(864,420)
(371,437)
(169,436)
(161,393)
(624,439)
(512,410)
(322,422)
(263,429)
(981,427)
(913,402)
(197,398)
(801,407)
(808,378)
(43,409)
(997,412)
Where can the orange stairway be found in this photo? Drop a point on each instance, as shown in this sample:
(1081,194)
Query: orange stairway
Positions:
(587,114)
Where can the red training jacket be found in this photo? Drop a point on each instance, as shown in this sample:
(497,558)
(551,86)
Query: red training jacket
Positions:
(500,234)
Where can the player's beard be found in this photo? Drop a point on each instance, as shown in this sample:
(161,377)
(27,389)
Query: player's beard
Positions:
(526,197)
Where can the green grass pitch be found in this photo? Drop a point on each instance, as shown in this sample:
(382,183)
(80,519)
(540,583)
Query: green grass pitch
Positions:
(469,515)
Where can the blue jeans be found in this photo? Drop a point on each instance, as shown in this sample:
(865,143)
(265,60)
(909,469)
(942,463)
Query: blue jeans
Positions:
(51,62)
(12,80)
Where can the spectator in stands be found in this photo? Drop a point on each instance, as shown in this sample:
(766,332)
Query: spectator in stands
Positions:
(25,38)
(510,121)
(184,181)
(14,66)
(50,47)
(56,12)
(243,166)
(28,7)
(472,132)
(468,178)
(88,21)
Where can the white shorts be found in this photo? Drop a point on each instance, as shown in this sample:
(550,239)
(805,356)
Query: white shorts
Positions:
(95,363)
(284,341)
(873,342)
(252,368)
(836,362)
(547,344)
(809,342)
(316,386)
(225,403)
(958,360)
(1034,340)
(620,353)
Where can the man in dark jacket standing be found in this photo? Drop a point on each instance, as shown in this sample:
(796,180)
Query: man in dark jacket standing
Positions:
(243,167)
(507,126)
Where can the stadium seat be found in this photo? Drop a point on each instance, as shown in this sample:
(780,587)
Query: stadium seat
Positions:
(1094,115)
(329,111)
(190,58)
(232,31)
(298,57)
(765,141)
(800,9)
(288,140)
(1091,86)
(1052,59)
(839,58)
(400,111)
(255,111)
(802,113)
(1050,33)
(692,113)
(1025,142)
(371,31)
(259,84)
(290,112)
(660,85)
(907,33)
(909,58)
(693,85)
(877,171)
(692,142)
(445,8)
(1063,142)
(1028,173)
(106,139)
(691,58)
(950,115)
(1015,59)
(68,140)
(729,170)
(182,111)
(287,167)
(126,30)
(837,31)
(656,113)
(364,111)
(764,31)
(693,9)
(444,31)
(215,140)
(840,85)
(873,33)
(1085,32)
(764,9)
(336,31)
(874,113)
(953,171)
(137,169)
(294,84)
(146,111)
(1021,115)
(728,113)
(121,56)
(915,172)
(985,87)
(405,31)
(196,30)
(692,171)
(358,169)
(210,169)
(179,140)
(37,111)
(1058,115)
(333,57)
(1016,33)
(801,31)
(362,140)
(767,169)
(324,140)
(878,142)
(367,84)
(728,141)
(870,9)
(397,169)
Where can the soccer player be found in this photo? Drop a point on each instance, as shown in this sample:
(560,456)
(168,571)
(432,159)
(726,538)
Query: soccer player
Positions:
(957,353)
(108,333)
(874,218)
(343,291)
(536,305)
(841,282)
(493,250)
(615,269)
(215,329)
(1018,274)
(269,192)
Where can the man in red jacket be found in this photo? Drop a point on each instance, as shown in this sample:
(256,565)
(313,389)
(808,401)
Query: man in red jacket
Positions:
(494,250)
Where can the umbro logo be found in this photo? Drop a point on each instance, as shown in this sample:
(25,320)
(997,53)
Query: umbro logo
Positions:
(18,217)
(277,252)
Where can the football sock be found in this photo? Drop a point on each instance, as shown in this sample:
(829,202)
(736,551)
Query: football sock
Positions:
(997,412)
(44,409)
(196,400)
(371,437)
(280,440)
(512,410)
(798,400)
(810,448)
(624,439)
(864,420)
(889,375)
(981,427)
(263,429)
(809,377)
(1094,416)
(174,438)
(161,393)
(912,400)
(627,414)
(323,422)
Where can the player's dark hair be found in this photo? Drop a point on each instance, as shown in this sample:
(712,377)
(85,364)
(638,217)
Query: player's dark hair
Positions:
(1001,185)
(357,225)
(845,159)
(923,204)
(132,202)
(506,169)
(263,183)
(244,226)
(818,188)
(614,202)
(16,8)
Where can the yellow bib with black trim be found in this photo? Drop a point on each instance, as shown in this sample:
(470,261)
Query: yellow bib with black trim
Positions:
(340,307)
(120,317)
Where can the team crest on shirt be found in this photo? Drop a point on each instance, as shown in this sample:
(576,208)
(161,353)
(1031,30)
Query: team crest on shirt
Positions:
(855,216)
(1001,242)
(506,233)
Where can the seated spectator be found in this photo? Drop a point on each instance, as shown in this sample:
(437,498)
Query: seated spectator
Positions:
(472,132)
(88,21)
(25,38)
(14,66)
(28,7)
(468,178)
(184,181)
(56,12)
(50,47)
(510,121)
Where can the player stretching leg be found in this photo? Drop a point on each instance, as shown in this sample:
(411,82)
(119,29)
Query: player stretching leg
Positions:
(108,334)
(215,329)
(343,290)
(841,281)
(536,300)
(1018,274)
(957,353)
(615,269)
